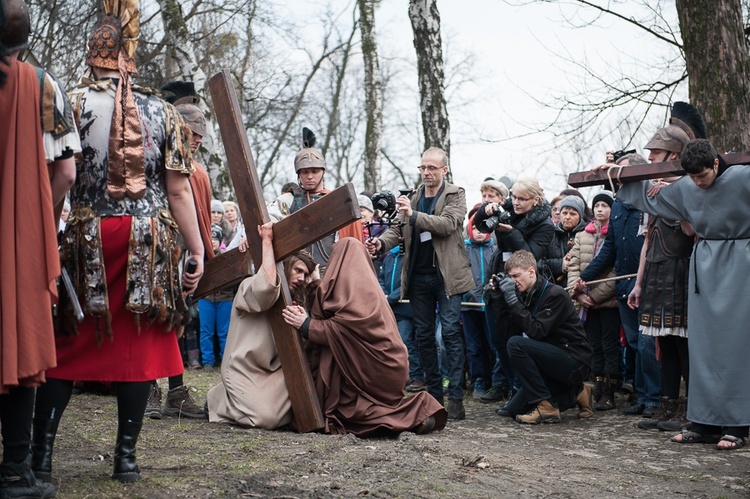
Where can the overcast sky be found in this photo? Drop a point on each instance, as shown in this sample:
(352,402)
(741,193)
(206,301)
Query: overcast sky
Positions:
(515,58)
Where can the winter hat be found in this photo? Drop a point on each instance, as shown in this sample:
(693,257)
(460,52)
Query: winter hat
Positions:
(365,202)
(605,196)
(217,205)
(574,202)
(216,232)
(499,187)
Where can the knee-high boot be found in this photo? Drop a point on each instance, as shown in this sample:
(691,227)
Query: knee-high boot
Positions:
(42,442)
(126,469)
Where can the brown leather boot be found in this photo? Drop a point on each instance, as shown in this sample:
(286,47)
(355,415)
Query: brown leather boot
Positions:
(585,401)
(667,409)
(679,420)
(545,412)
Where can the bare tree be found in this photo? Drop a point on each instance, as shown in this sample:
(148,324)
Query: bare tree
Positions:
(373,95)
(425,22)
(718,66)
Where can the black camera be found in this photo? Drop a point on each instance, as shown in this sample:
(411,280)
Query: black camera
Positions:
(384,201)
(494,281)
(501,217)
(619,154)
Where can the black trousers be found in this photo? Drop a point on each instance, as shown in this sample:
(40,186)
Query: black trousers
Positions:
(546,372)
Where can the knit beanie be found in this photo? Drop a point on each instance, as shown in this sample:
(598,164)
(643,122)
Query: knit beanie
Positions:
(574,202)
(496,186)
(365,202)
(605,196)
(217,205)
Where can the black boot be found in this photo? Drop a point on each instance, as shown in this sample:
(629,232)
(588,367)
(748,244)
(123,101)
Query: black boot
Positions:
(126,469)
(42,441)
(606,400)
(667,409)
(17,481)
(596,380)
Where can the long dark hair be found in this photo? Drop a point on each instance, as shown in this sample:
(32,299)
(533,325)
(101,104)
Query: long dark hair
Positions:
(300,294)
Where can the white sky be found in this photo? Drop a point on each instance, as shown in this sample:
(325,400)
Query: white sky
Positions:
(513,48)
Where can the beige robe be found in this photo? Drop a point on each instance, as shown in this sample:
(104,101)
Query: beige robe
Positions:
(252,391)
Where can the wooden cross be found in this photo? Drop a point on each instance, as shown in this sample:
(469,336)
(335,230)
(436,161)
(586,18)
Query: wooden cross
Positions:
(635,173)
(313,222)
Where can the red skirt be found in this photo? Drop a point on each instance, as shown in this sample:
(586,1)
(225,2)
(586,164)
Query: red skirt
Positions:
(130,355)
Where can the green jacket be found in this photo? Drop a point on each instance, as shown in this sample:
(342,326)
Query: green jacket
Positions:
(446,227)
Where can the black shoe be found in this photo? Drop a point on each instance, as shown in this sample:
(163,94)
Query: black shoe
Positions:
(456,410)
(635,410)
(503,411)
(17,481)
(649,411)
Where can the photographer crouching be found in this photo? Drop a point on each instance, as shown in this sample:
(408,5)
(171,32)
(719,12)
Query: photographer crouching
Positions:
(549,350)
(520,223)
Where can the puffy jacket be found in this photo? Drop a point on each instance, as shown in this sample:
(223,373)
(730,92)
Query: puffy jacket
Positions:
(622,248)
(561,244)
(585,247)
(390,282)
(446,227)
(480,257)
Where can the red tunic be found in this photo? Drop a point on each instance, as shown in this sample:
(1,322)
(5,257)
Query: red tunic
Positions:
(29,261)
(131,354)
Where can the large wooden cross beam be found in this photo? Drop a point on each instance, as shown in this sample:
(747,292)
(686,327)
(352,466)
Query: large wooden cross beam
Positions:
(295,232)
(635,173)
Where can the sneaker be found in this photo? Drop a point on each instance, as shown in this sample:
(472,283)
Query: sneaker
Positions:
(153,406)
(456,410)
(634,410)
(493,394)
(545,412)
(478,388)
(208,367)
(180,403)
(18,481)
(416,385)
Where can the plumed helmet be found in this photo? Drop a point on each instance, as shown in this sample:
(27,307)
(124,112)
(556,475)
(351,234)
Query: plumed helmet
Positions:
(670,138)
(104,45)
(194,118)
(15,25)
(309,158)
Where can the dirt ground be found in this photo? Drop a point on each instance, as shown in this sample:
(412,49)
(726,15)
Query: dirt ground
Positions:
(483,456)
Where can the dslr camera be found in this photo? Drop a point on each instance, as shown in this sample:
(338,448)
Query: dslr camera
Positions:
(495,281)
(385,201)
(501,217)
(619,154)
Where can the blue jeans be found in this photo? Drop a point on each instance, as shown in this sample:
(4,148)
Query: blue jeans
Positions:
(406,330)
(478,352)
(647,369)
(425,293)
(546,372)
(214,318)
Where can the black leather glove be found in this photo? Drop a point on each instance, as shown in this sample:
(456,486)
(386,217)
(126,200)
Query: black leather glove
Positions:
(508,287)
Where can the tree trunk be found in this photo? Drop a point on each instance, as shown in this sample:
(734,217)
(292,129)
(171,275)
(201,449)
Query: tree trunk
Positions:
(718,68)
(425,22)
(182,54)
(373,96)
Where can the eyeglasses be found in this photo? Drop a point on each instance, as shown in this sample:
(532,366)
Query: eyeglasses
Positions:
(519,198)
(429,168)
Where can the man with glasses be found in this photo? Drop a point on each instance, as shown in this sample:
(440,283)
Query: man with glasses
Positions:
(436,271)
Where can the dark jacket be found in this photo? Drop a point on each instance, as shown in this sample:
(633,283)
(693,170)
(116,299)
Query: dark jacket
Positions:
(562,243)
(621,248)
(548,315)
(390,282)
(532,231)
(480,257)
